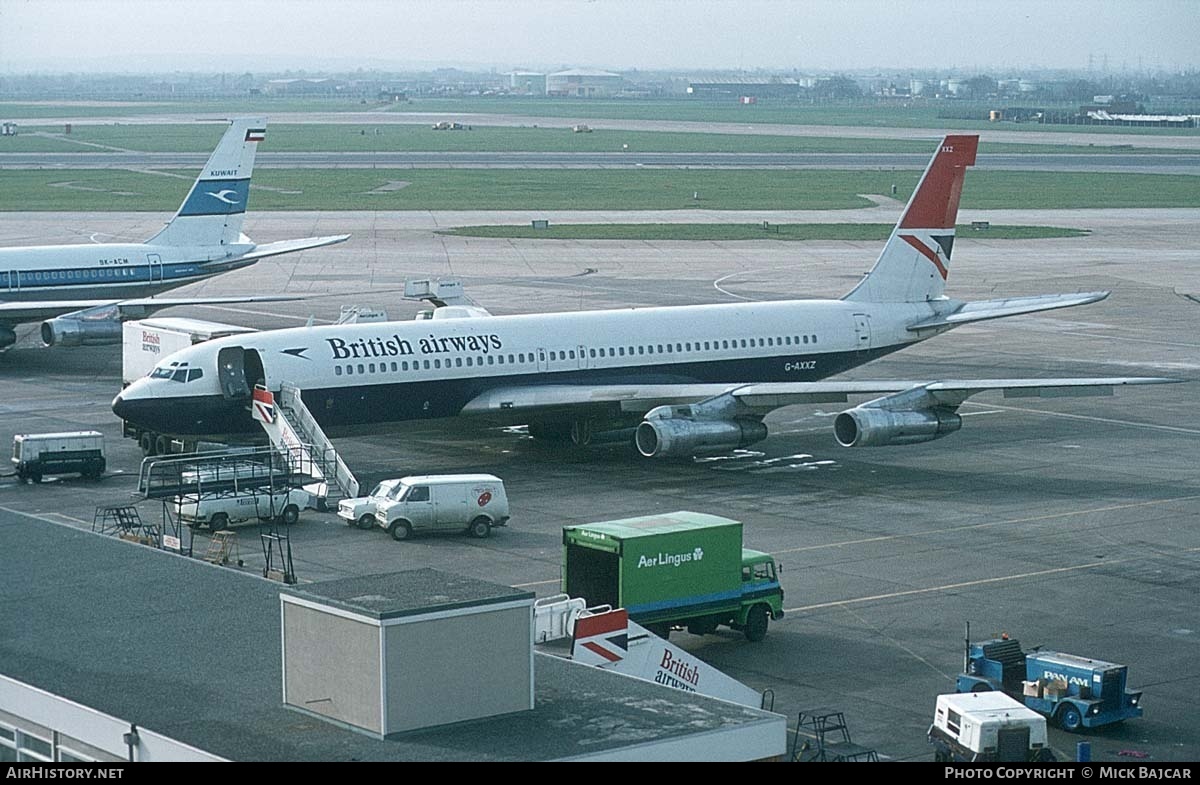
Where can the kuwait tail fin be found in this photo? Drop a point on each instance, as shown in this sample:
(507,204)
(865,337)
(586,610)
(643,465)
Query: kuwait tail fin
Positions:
(916,260)
(213,211)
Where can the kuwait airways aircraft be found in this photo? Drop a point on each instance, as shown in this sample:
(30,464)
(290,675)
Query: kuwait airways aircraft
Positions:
(676,381)
(84,291)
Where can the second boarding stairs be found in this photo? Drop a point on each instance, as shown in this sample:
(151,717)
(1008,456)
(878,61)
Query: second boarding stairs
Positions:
(295,433)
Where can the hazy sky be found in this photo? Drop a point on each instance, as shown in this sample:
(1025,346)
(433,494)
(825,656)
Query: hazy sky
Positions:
(258,35)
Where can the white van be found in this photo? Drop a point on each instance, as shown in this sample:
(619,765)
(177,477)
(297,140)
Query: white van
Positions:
(218,510)
(437,502)
(360,511)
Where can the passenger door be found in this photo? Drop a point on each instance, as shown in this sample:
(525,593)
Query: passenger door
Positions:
(232,373)
(155,265)
(862,332)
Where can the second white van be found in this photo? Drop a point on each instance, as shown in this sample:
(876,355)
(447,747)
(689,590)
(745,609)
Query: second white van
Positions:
(439,502)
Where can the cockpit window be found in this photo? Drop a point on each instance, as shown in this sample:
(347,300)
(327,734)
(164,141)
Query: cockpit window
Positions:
(177,372)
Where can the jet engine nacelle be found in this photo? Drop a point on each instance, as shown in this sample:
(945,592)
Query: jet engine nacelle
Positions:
(872,427)
(64,331)
(675,438)
(8,336)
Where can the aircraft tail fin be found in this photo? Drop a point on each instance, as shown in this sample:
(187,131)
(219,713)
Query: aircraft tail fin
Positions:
(915,261)
(213,211)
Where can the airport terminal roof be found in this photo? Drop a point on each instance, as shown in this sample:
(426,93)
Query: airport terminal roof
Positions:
(192,651)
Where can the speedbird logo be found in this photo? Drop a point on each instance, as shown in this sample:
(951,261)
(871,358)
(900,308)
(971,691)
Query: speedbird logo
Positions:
(224,195)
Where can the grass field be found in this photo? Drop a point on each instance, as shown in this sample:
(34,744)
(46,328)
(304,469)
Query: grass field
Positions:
(202,137)
(583,189)
(216,109)
(726,232)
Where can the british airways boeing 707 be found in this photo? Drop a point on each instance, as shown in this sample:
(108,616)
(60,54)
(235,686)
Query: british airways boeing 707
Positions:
(84,292)
(675,381)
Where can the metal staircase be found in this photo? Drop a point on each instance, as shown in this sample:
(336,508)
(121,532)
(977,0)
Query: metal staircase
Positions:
(828,739)
(297,433)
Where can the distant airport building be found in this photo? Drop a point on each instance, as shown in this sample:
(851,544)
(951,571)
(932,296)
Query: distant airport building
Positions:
(584,84)
(304,86)
(782,87)
(528,82)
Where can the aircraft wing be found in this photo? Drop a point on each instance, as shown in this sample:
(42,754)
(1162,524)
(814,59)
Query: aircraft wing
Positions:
(288,246)
(34,310)
(1009,306)
(511,404)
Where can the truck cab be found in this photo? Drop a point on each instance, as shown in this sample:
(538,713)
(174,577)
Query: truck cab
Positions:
(762,596)
(1075,692)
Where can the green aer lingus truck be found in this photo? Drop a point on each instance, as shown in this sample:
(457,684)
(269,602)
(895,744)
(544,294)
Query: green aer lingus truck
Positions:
(679,569)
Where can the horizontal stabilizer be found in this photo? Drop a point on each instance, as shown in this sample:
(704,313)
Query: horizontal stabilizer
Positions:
(1009,306)
(288,246)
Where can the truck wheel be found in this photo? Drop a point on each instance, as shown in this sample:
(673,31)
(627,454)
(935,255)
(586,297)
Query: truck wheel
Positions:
(366,521)
(400,530)
(93,469)
(941,756)
(662,630)
(756,624)
(481,527)
(35,477)
(1070,719)
(162,445)
(218,522)
(146,442)
(290,515)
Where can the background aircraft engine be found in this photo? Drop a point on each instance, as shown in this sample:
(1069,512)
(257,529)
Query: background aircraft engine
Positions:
(672,438)
(64,331)
(8,336)
(872,427)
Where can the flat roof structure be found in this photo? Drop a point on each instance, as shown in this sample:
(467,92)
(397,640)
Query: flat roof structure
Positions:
(94,627)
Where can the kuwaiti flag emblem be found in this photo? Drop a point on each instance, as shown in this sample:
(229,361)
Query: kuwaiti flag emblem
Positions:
(256,134)
(263,406)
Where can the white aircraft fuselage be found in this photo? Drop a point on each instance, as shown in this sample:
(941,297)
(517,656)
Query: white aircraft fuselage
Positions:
(110,270)
(394,371)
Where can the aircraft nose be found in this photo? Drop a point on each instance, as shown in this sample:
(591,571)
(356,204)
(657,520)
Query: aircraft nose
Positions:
(120,407)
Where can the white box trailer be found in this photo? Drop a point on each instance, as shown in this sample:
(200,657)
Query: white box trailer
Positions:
(36,454)
(987,726)
(145,343)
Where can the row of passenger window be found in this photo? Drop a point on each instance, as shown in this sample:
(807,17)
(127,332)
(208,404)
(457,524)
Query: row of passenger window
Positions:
(697,346)
(106,273)
(521,358)
(459,362)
